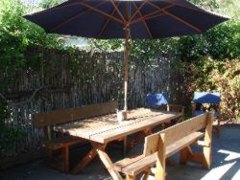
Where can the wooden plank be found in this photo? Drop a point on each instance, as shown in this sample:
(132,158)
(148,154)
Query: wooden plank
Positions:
(161,158)
(178,131)
(88,127)
(140,165)
(66,159)
(208,140)
(119,165)
(185,155)
(135,165)
(96,125)
(151,144)
(128,129)
(139,112)
(129,177)
(95,110)
(107,123)
(159,146)
(109,165)
(183,142)
(72,114)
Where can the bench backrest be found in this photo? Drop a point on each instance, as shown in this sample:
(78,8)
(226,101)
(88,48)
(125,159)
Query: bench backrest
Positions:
(176,132)
(72,114)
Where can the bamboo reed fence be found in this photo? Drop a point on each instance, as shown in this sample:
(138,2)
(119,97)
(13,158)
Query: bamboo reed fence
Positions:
(62,80)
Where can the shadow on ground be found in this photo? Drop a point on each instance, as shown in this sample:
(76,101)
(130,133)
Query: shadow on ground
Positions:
(225,164)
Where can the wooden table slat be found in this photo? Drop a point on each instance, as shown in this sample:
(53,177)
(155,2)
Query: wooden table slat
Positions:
(106,128)
(123,131)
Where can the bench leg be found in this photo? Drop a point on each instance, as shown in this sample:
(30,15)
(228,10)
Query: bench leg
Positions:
(185,155)
(66,158)
(59,161)
(146,174)
(206,157)
(208,140)
(161,159)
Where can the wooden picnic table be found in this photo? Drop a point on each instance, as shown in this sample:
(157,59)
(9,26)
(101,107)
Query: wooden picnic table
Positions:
(99,131)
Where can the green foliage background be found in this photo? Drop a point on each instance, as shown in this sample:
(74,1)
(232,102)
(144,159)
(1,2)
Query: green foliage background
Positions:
(208,62)
(16,35)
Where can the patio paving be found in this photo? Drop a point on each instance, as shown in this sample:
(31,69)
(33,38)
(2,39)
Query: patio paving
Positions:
(225,165)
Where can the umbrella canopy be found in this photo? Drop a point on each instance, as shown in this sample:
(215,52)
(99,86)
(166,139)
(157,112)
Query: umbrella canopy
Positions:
(135,19)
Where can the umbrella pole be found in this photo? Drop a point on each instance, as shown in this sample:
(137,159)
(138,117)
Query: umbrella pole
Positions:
(126,56)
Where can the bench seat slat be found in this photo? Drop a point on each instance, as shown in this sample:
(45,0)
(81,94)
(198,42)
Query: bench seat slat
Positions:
(119,165)
(140,165)
(137,164)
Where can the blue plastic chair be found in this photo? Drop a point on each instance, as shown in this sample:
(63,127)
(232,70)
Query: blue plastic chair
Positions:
(205,98)
(161,101)
(157,99)
(213,98)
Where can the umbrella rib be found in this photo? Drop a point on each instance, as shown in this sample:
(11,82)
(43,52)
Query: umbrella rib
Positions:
(177,18)
(146,18)
(72,18)
(153,16)
(106,22)
(143,20)
(150,15)
(102,13)
(133,16)
(119,13)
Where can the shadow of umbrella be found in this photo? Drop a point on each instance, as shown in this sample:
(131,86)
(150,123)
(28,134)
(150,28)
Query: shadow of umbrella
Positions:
(135,19)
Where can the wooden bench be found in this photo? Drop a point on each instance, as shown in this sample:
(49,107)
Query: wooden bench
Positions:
(161,145)
(54,145)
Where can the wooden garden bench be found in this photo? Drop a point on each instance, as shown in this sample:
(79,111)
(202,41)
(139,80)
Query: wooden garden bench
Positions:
(161,145)
(60,144)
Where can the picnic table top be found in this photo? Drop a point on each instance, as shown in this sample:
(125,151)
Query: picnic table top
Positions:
(103,129)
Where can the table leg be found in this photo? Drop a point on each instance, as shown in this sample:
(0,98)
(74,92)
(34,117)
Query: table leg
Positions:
(124,146)
(108,164)
(89,157)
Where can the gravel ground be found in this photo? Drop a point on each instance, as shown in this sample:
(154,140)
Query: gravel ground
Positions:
(225,165)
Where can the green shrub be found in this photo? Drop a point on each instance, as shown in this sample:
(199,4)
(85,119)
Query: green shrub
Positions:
(211,75)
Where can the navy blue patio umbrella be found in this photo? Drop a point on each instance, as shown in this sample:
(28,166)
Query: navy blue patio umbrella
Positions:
(127,19)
